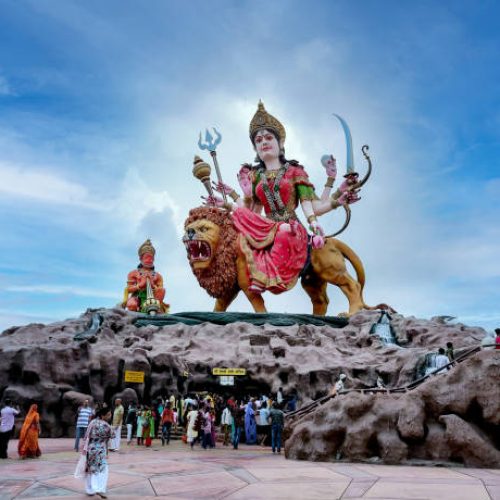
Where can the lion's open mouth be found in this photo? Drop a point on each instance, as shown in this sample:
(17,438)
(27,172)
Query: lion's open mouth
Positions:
(198,250)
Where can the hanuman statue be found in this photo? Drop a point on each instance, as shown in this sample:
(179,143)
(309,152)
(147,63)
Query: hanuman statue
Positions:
(144,284)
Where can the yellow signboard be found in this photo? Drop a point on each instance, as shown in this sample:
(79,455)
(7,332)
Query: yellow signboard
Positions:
(229,371)
(137,377)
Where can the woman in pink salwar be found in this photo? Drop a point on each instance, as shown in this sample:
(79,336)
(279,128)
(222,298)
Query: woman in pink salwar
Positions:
(276,244)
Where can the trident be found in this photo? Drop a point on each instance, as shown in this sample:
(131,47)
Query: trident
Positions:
(211,145)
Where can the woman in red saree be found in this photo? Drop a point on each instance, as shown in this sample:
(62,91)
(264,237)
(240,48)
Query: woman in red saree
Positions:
(28,437)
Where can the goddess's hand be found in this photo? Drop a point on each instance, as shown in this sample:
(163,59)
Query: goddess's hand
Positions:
(220,187)
(318,241)
(316,228)
(330,164)
(349,197)
(349,182)
(245,181)
(213,201)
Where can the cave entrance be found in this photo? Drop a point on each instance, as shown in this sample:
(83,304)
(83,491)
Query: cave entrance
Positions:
(244,386)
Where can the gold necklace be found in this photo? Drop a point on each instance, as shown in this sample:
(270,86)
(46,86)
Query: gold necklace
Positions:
(271,174)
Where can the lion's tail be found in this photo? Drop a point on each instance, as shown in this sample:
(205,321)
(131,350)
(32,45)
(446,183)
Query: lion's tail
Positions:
(353,258)
(356,263)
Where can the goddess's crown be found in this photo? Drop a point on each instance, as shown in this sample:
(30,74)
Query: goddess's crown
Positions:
(262,119)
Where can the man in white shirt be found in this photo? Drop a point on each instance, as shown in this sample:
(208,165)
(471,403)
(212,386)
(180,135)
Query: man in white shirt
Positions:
(8,414)
(226,422)
(339,385)
(263,427)
(279,396)
(441,361)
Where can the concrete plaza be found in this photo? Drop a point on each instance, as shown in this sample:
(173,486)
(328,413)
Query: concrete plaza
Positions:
(252,472)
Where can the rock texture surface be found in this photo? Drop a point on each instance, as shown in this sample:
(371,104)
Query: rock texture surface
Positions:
(438,421)
(453,417)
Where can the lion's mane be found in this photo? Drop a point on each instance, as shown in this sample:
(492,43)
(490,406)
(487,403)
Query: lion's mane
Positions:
(221,277)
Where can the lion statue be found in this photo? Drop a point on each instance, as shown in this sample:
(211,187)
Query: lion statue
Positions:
(211,241)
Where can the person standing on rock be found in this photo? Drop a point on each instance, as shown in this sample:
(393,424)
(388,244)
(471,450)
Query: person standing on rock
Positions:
(8,415)
(117,425)
(279,396)
(82,422)
(449,351)
(277,421)
(441,361)
(339,385)
(292,402)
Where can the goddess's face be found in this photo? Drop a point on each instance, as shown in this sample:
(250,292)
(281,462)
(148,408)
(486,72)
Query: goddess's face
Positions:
(266,145)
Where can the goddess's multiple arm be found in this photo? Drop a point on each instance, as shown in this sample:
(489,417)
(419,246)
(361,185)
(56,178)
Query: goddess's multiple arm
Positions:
(344,194)
(311,208)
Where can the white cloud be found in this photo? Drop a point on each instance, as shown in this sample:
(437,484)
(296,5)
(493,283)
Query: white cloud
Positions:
(62,290)
(136,199)
(41,185)
(409,249)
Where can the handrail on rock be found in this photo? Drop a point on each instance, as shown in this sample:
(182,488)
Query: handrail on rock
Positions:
(404,388)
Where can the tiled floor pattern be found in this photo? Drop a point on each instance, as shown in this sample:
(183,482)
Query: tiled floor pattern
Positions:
(176,472)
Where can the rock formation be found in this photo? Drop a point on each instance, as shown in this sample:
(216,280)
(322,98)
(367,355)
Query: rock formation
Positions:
(438,421)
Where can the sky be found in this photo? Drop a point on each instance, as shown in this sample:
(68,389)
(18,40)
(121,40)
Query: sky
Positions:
(101,104)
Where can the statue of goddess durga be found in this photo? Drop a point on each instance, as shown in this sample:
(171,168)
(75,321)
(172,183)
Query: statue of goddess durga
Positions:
(276,244)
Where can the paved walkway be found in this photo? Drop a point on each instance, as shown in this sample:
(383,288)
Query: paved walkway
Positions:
(176,472)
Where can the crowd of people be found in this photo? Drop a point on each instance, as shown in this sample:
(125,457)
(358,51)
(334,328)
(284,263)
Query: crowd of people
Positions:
(252,420)
(198,416)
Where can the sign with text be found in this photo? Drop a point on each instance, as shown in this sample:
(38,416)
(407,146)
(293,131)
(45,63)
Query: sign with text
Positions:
(226,380)
(229,371)
(137,377)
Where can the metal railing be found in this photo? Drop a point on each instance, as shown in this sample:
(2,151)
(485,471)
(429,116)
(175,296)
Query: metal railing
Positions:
(391,390)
